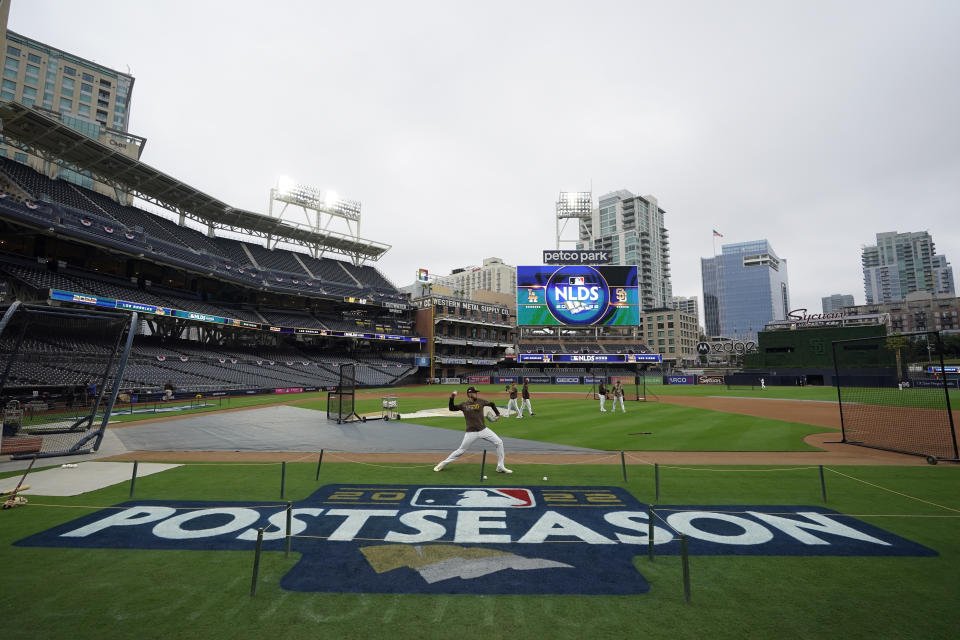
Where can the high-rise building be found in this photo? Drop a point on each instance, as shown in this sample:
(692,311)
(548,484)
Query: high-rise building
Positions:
(689,305)
(836,302)
(901,263)
(631,228)
(942,276)
(81,94)
(744,288)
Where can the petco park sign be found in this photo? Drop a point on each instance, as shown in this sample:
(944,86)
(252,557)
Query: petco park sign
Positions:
(557,256)
(475,539)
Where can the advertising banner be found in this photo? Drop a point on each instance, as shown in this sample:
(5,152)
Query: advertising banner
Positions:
(478,379)
(710,380)
(566,380)
(505,380)
(609,358)
(679,379)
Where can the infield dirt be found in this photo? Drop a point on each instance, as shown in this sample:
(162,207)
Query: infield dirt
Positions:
(825,414)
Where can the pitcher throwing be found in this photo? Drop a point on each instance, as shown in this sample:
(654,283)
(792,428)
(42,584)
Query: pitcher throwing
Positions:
(473,415)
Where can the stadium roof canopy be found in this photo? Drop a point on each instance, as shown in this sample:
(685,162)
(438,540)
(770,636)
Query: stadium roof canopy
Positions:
(53,140)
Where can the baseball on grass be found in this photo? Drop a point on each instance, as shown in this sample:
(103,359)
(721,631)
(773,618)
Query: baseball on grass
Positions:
(484,477)
(544,477)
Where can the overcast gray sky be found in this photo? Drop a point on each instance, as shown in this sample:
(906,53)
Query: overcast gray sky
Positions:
(812,124)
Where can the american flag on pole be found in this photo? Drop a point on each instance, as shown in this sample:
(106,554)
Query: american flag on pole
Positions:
(717,234)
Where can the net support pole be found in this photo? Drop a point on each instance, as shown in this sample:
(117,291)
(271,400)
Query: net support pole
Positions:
(650,532)
(686,568)
(319,462)
(117,380)
(133,477)
(656,479)
(823,485)
(836,381)
(623,465)
(289,535)
(256,562)
(283,478)
(946,394)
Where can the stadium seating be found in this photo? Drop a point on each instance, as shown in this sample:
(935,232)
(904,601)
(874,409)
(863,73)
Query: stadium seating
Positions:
(83,213)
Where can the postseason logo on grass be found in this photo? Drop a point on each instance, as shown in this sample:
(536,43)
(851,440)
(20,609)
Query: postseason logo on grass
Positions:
(475,540)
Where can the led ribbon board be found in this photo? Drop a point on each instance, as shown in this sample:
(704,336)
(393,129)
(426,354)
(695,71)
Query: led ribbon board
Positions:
(475,539)
(577,295)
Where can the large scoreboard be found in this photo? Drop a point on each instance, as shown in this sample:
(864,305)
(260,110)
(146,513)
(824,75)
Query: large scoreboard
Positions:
(577,295)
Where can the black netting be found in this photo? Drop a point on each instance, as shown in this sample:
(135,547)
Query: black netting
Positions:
(58,368)
(893,395)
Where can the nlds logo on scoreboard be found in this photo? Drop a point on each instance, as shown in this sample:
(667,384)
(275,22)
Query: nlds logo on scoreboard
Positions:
(577,295)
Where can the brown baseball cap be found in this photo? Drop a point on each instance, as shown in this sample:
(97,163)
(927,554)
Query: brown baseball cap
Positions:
(471,389)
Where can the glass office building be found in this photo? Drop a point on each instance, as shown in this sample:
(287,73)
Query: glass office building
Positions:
(744,288)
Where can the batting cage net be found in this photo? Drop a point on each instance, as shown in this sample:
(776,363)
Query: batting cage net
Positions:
(893,394)
(341,403)
(60,371)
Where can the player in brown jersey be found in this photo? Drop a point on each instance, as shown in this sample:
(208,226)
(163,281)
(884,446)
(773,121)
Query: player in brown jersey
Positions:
(476,428)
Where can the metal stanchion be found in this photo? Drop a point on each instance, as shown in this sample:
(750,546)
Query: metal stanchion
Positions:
(133,478)
(256,562)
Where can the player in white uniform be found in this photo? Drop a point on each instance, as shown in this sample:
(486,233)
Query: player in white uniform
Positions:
(618,397)
(512,403)
(526,399)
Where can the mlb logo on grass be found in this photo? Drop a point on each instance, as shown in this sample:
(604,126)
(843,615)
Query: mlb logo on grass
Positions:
(474,540)
(458,497)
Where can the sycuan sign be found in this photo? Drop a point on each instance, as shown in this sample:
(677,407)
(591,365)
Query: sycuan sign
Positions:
(476,540)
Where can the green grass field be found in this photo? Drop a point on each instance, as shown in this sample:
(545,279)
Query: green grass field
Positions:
(495,392)
(96,593)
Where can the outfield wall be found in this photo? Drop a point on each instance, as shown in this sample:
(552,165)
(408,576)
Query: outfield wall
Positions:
(812,349)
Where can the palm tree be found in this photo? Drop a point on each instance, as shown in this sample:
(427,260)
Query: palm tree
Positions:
(897,343)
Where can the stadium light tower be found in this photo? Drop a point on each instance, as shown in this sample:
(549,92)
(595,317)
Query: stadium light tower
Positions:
(318,207)
(575,205)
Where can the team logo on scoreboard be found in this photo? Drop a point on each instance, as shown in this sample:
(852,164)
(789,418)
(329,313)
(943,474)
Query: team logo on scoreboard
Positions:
(577,295)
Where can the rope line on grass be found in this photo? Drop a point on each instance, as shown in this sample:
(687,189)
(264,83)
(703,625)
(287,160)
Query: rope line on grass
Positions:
(892,491)
(738,470)
(280,505)
(793,513)
(379,466)
(454,541)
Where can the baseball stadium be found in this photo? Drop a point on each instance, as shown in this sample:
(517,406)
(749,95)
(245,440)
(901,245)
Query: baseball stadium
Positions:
(221,423)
